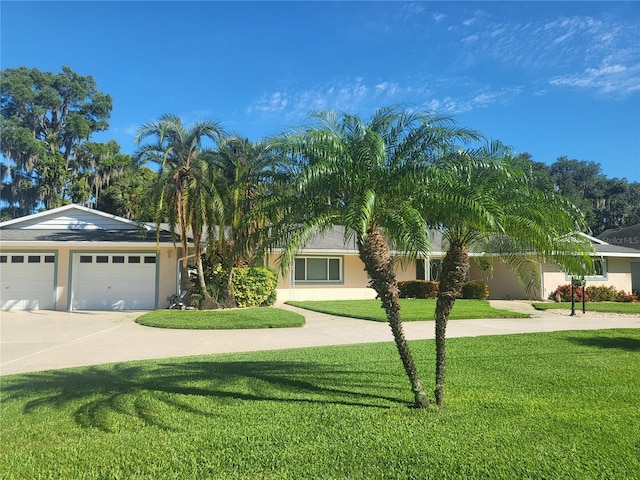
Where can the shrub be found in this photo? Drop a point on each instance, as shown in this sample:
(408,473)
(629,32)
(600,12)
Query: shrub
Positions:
(418,289)
(600,293)
(254,286)
(627,297)
(476,290)
(565,293)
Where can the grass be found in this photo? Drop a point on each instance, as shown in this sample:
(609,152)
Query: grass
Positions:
(411,309)
(240,318)
(612,307)
(560,405)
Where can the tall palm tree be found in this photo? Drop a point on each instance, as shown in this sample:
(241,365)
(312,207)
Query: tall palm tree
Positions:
(479,198)
(243,173)
(186,195)
(360,175)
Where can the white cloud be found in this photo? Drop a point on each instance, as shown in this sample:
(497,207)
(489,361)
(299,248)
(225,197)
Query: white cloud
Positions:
(270,103)
(607,79)
(438,17)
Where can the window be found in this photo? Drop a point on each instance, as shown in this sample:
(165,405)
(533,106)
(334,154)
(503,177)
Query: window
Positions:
(117,259)
(420,273)
(49,259)
(33,259)
(435,267)
(600,271)
(102,259)
(134,259)
(3,259)
(317,269)
(86,259)
(17,258)
(150,259)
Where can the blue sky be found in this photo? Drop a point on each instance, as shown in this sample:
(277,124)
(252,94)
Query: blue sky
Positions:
(549,78)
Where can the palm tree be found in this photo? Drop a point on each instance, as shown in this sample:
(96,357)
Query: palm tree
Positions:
(243,170)
(360,176)
(185,194)
(479,198)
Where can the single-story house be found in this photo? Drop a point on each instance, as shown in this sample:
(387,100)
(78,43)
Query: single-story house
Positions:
(330,269)
(76,258)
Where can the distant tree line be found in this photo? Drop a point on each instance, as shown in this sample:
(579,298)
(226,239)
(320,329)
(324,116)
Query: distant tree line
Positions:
(48,158)
(607,203)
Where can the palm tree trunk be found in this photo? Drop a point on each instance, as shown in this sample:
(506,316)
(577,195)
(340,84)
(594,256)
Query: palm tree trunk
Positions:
(228,300)
(374,253)
(208,302)
(454,273)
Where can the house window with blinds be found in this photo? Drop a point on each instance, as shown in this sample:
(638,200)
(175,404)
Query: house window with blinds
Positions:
(318,270)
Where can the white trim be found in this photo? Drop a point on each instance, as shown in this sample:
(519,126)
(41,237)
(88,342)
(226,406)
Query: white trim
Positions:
(74,206)
(62,243)
(594,239)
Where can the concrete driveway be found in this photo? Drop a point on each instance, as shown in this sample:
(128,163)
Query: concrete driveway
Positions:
(43,340)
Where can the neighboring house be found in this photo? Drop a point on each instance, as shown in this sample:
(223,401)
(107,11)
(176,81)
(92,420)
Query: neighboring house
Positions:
(330,269)
(77,258)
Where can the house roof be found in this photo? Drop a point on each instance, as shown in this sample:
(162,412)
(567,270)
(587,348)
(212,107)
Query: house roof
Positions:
(333,242)
(95,235)
(76,223)
(624,237)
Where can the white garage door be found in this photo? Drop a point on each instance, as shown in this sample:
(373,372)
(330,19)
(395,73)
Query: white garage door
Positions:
(114,281)
(27,281)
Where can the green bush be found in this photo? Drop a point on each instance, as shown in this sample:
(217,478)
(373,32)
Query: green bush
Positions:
(418,289)
(602,294)
(565,293)
(254,286)
(475,290)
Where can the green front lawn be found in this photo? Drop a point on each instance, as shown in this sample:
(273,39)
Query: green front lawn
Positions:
(560,405)
(239,318)
(411,309)
(613,307)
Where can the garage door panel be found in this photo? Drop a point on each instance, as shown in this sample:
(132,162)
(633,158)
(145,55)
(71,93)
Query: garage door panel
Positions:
(27,281)
(114,282)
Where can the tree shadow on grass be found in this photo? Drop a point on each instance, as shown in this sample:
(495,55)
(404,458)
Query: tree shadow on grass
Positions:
(621,343)
(97,395)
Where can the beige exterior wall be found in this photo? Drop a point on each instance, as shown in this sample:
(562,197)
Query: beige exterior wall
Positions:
(618,276)
(166,267)
(503,284)
(355,284)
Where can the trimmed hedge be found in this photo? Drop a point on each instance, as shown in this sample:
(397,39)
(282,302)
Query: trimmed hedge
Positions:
(475,290)
(418,289)
(254,286)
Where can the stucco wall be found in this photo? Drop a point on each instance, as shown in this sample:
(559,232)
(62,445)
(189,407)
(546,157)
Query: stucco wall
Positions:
(354,285)
(618,276)
(503,284)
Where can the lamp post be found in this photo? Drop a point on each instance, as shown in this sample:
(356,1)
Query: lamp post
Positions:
(573,299)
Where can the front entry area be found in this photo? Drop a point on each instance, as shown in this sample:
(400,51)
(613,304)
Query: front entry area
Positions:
(113,281)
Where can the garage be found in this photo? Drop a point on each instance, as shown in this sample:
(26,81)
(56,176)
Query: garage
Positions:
(27,280)
(114,281)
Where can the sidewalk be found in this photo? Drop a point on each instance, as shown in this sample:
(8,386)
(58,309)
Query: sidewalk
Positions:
(43,340)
